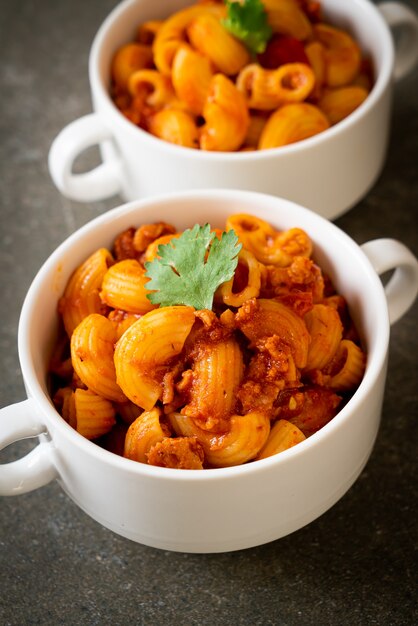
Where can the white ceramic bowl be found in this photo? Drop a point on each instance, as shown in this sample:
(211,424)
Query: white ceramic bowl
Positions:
(219,509)
(329,172)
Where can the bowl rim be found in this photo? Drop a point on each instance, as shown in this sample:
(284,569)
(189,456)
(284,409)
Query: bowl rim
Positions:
(379,27)
(374,367)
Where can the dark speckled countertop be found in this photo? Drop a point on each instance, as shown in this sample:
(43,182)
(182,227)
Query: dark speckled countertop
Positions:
(354,565)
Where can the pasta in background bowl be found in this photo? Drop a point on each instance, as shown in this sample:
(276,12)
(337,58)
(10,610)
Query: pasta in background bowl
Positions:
(188,80)
(328,172)
(219,509)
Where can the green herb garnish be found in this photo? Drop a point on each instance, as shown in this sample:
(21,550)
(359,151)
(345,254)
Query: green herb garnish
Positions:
(188,270)
(247,20)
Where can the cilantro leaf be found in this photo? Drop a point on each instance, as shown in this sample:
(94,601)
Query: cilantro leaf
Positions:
(186,273)
(247,20)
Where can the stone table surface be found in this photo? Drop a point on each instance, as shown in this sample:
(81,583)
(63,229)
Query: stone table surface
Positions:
(356,564)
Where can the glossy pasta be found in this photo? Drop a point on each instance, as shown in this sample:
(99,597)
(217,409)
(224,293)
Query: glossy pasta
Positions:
(180,387)
(81,296)
(267,90)
(187,80)
(144,351)
(124,287)
(92,351)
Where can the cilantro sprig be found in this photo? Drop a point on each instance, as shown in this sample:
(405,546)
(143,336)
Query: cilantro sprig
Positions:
(189,269)
(247,20)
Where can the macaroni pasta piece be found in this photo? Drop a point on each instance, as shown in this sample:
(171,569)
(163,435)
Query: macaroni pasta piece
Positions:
(226,116)
(129,59)
(250,288)
(240,443)
(81,295)
(325,329)
(347,369)
(175,126)
(143,434)
(208,36)
(291,123)
(337,104)
(124,287)
(191,76)
(172,34)
(266,90)
(89,414)
(95,416)
(315,52)
(217,372)
(268,245)
(342,55)
(286,17)
(290,244)
(283,435)
(92,348)
(145,349)
(266,318)
(252,231)
(156,90)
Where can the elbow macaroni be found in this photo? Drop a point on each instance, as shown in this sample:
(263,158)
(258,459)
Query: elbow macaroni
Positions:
(81,295)
(244,439)
(92,348)
(172,34)
(143,434)
(283,435)
(191,76)
(287,18)
(267,245)
(226,116)
(208,36)
(262,371)
(217,373)
(325,329)
(339,103)
(175,126)
(266,90)
(124,287)
(250,289)
(129,59)
(342,55)
(145,349)
(292,123)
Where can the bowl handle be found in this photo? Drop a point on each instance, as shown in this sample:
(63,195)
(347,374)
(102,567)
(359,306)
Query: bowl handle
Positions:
(19,421)
(404,24)
(101,182)
(402,288)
